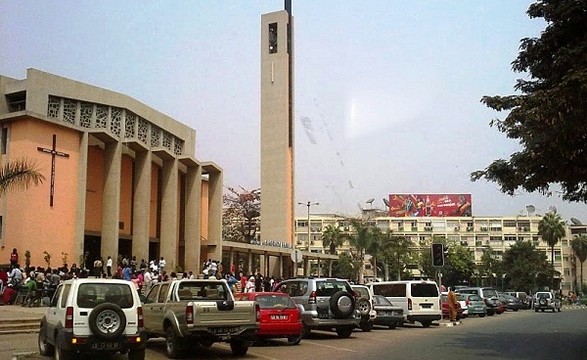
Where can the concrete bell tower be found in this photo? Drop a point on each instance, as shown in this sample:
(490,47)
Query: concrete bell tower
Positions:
(277,126)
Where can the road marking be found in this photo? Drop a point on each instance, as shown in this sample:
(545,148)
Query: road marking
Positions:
(328,346)
(250,352)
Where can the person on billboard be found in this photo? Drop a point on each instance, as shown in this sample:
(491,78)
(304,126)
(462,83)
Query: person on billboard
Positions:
(463,207)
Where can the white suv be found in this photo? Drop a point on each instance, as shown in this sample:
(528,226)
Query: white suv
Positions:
(546,300)
(93,314)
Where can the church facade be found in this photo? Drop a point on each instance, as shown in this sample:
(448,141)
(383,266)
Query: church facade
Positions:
(121,178)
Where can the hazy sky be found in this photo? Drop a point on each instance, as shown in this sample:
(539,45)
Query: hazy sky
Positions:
(387,92)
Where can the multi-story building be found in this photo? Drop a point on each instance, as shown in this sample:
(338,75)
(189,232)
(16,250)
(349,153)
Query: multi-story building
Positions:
(477,233)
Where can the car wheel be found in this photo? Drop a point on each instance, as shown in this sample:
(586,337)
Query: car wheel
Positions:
(107,321)
(364,306)
(366,327)
(344,332)
(392,326)
(426,324)
(239,347)
(62,354)
(535,309)
(481,315)
(342,304)
(559,309)
(173,344)
(137,354)
(45,349)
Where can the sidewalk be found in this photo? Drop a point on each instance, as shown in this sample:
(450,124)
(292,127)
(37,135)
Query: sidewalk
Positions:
(18,312)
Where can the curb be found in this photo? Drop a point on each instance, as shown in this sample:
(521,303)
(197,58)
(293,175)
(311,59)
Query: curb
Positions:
(23,355)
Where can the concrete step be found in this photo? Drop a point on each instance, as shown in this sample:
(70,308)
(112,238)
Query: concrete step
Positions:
(19,326)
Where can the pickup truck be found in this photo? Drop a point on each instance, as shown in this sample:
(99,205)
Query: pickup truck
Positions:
(202,311)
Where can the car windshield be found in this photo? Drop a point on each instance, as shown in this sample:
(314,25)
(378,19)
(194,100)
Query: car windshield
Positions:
(274,301)
(543,295)
(362,291)
(381,300)
(90,295)
(331,287)
(461,297)
(489,293)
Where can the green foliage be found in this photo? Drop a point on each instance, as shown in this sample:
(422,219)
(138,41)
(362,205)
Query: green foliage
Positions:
(332,238)
(459,265)
(345,267)
(526,267)
(19,174)
(396,254)
(552,229)
(548,117)
(579,246)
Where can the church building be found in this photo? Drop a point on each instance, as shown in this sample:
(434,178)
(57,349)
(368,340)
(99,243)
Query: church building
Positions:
(121,178)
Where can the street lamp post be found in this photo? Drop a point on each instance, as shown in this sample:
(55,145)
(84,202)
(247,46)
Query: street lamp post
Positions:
(308,204)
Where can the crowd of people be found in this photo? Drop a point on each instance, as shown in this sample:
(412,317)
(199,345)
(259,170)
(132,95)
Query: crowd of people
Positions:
(41,282)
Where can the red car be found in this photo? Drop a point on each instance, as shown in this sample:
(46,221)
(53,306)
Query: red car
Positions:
(445,309)
(279,317)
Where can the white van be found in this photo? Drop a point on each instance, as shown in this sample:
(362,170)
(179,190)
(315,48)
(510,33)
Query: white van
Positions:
(420,299)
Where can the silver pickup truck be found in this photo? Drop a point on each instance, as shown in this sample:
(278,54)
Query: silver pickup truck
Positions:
(203,311)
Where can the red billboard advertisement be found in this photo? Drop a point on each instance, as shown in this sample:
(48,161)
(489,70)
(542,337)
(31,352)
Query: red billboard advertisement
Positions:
(433,205)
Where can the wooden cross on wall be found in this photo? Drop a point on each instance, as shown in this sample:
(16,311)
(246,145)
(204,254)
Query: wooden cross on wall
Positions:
(53,153)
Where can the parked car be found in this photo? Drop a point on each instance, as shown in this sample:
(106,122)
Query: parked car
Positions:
(446,308)
(387,314)
(200,311)
(419,299)
(545,300)
(513,303)
(327,304)
(365,306)
(279,317)
(489,296)
(89,315)
(472,304)
(524,298)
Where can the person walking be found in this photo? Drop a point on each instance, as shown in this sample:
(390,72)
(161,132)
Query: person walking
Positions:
(452,305)
(109,267)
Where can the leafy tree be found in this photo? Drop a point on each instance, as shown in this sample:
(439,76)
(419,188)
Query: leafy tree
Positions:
(361,239)
(345,267)
(332,238)
(579,246)
(396,254)
(552,229)
(527,267)
(19,174)
(241,212)
(548,116)
(459,265)
(426,255)
(489,266)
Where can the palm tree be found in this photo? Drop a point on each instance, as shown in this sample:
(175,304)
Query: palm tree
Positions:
(579,245)
(360,241)
(332,238)
(552,229)
(19,174)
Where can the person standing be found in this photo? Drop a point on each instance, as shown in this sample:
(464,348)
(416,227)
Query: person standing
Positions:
(14,257)
(452,305)
(109,266)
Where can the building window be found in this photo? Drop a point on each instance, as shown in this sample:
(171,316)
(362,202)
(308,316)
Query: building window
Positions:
(272,38)
(4,144)
(16,102)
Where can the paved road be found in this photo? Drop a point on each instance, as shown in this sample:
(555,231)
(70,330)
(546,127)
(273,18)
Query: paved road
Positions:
(521,335)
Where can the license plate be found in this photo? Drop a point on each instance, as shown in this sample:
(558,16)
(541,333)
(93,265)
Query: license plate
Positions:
(223,330)
(106,345)
(279,317)
(426,306)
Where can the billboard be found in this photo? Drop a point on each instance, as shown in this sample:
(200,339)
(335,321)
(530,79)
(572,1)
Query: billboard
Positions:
(433,205)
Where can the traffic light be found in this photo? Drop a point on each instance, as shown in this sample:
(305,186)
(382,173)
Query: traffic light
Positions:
(437,255)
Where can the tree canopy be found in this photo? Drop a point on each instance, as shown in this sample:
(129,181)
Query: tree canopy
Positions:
(526,267)
(552,229)
(548,114)
(241,212)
